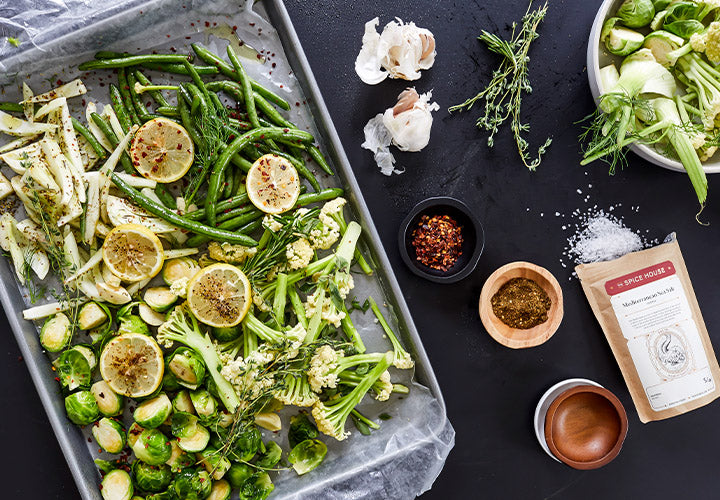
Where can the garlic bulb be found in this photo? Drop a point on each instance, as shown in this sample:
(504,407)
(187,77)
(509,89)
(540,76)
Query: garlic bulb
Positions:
(400,51)
(410,120)
(406,125)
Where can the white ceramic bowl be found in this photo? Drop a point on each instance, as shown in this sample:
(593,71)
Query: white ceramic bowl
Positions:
(545,402)
(598,56)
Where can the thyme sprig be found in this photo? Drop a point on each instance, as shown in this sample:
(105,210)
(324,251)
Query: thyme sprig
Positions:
(502,97)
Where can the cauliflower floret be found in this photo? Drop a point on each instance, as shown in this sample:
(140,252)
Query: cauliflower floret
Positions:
(332,207)
(247,375)
(260,302)
(232,254)
(325,234)
(271,223)
(403,361)
(322,416)
(708,42)
(329,311)
(698,42)
(322,364)
(385,387)
(179,287)
(299,254)
(345,283)
(705,153)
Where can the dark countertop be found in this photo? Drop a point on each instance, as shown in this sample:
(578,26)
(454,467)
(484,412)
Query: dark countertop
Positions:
(490,391)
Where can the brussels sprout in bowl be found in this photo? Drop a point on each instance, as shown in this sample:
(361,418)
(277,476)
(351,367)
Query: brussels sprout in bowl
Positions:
(599,56)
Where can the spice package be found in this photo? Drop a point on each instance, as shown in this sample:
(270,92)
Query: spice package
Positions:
(646,306)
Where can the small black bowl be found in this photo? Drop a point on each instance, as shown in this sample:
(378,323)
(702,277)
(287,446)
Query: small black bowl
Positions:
(473,239)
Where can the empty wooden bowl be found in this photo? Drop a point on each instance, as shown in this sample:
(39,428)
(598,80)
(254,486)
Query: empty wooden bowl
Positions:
(517,338)
(585,427)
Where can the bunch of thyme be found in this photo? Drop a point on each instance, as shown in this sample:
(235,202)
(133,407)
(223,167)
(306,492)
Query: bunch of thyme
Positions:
(502,97)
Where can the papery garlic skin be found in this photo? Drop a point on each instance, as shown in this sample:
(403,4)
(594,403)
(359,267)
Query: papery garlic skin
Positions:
(402,50)
(410,120)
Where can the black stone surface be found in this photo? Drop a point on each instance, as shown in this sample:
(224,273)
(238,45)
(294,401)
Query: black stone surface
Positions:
(490,391)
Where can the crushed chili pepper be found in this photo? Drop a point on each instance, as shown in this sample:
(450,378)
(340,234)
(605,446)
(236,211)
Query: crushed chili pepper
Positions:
(521,303)
(437,241)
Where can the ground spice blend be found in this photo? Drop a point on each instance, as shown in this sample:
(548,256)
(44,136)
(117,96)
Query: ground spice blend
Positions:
(437,241)
(521,303)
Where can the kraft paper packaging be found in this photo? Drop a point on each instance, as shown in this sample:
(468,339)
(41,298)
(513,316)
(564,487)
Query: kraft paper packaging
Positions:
(646,305)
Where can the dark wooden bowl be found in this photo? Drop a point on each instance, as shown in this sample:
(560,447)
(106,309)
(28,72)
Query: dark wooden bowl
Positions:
(585,427)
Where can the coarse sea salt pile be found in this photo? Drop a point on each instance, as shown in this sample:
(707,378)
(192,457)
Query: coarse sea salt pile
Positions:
(597,235)
(602,237)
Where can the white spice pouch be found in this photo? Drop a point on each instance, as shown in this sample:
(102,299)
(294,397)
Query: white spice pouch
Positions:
(646,305)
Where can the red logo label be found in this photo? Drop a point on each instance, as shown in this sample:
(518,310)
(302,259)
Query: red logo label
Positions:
(639,278)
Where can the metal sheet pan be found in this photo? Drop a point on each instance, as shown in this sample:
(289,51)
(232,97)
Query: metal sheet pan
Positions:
(95,36)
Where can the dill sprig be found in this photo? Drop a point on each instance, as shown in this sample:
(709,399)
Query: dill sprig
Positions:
(214,131)
(502,97)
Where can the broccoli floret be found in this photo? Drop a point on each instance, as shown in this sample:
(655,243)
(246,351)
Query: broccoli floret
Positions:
(331,416)
(178,329)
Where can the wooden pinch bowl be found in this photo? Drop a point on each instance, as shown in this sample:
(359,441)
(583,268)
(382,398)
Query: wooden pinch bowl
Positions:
(517,338)
(585,427)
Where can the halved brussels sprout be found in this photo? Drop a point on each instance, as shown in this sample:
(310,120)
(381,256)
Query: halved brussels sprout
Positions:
(661,43)
(133,434)
(132,323)
(109,434)
(307,455)
(117,485)
(270,457)
(175,269)
(238,473)
(618,40)
(192,484)
(183,403)
(221,490)
(214,463)
(204,403)
(160,298)
(256,487)
(151,413)
(151,478)
(187,366)
(165,495)
(81,408)
(269,420)
(196,442)
(225,419)
(73,370)
(152,318)
(636,13)
(89,354)
(179,459)
(56,333)
(109,403)
(301,428)
(152,447)
(183,425)
(92,315)
(227,334)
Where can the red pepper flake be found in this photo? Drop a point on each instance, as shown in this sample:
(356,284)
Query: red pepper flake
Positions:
(251,24)
(273,65)
(192,24)
(234,28)
(259,56)
(437,241)
(207,24)
(297,104)
(187,38)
